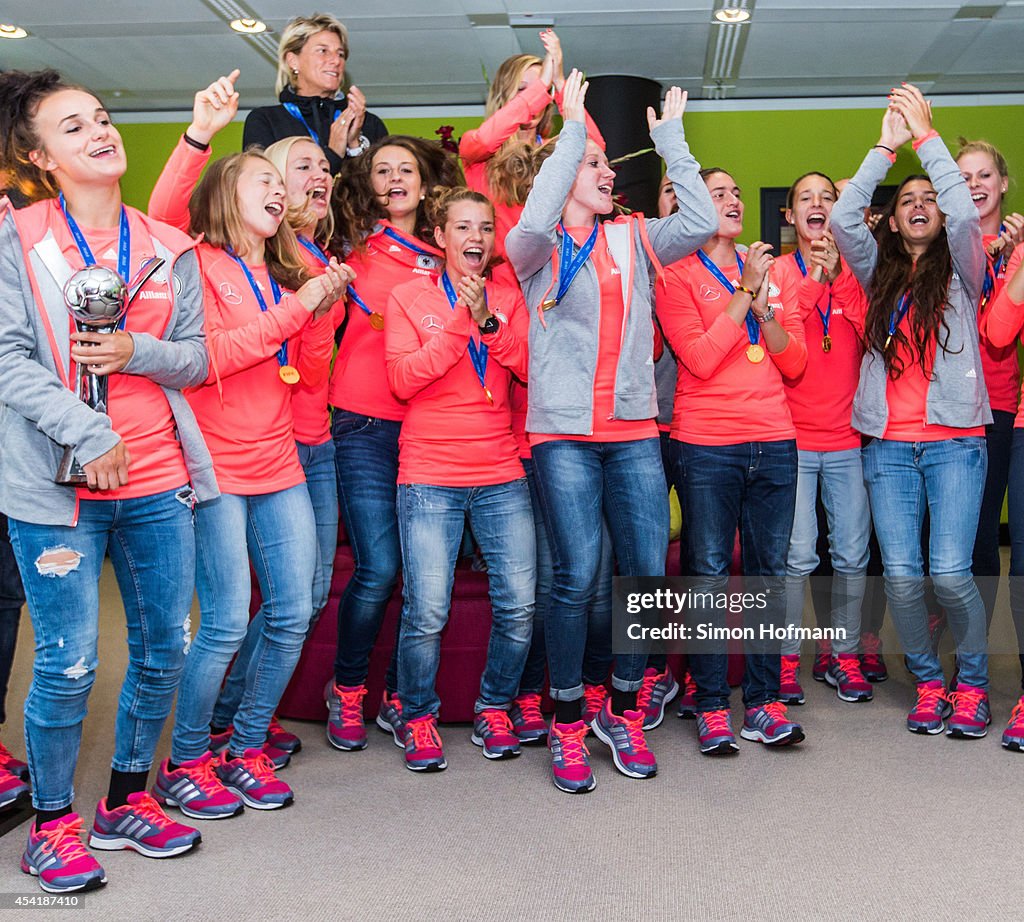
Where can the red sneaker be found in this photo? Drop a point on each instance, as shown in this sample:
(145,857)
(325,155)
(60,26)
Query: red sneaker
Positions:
(790,691)
(570,763)
(1013,735)
(56,855)
(822,655)
(345,727)
(11,788)
(194,788)
(845,677)
(282,739)
(688,699)
(142,826)
(871,662)
(13,765)
(527,720)
(494,734)
(971,713)
(930,710)
(423,748)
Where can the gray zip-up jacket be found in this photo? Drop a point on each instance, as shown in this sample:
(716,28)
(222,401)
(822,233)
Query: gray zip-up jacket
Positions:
(564,342)
(957,396)
(39,415)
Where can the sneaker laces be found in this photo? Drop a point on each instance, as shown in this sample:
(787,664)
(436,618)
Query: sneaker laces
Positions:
(593,696)
(275,726)
(497,722)
(147,807)
(716,722)
(776,710)
(529,707)
(966,700)
(635,729)
(424,734)
(5,756)
(689,686)
(574,750)
(643,696)
(66,839)
(204,777)
(260,767)
(789,668)
(929,699)
(1017,714)
(850,669)
(351,699)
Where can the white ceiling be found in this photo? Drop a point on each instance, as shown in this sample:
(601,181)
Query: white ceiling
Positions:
(154,55)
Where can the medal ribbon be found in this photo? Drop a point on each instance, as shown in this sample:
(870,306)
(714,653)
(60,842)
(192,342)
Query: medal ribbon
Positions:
(992,272)
(124,246)
(293,111)
(322,256)
(477,351)
(826,315)
(753,327)
(282,353)
(896,317)
(408,244)
(570,263)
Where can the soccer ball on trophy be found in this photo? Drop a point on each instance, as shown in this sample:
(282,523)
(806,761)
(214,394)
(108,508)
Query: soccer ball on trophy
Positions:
(97,297)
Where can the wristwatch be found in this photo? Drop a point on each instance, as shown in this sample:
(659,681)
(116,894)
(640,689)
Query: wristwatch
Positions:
(364,146)
(490,325)
(766,316)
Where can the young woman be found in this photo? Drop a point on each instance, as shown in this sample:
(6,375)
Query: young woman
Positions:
(144,460)
(1003,327)
(735,454)
(922,400)
(308,189)
(382,225)
(453,344)
(592,404)
(311,60)
(820,399)
(987,175)
(260,348)
(518,119)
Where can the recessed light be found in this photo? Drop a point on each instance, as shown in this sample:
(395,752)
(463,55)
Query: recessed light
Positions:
(732,15)
(248,26)
(8,31)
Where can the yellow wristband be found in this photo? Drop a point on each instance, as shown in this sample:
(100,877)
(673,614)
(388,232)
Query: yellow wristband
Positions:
(749,291)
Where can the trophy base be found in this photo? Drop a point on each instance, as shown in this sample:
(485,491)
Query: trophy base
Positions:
(70,473)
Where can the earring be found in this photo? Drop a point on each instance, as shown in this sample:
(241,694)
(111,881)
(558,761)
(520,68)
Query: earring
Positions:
(295,71)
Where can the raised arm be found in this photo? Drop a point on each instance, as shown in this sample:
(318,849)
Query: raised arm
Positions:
(689,228)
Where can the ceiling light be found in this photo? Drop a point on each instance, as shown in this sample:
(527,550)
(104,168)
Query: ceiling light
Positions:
(7,31)
(248,26)
(732,15)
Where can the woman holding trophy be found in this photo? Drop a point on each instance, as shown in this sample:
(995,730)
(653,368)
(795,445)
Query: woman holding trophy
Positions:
(129,464)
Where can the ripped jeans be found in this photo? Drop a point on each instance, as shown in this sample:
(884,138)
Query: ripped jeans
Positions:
(152,549)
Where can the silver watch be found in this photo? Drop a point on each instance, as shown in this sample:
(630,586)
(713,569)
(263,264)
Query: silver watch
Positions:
(364,146)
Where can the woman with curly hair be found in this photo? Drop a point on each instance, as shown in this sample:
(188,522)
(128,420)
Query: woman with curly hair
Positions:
(387,239)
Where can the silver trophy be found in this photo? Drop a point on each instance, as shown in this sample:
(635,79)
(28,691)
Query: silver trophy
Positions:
(97,297)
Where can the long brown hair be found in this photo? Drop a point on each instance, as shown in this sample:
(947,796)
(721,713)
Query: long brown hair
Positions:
(895,273)
(355,204)
(20,96)
(215,212)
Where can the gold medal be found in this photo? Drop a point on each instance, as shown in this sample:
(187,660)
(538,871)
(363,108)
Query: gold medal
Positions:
(755,353)
(289,374)
(548,304)
(826,343)
(888,339)
(489,395)
(377,321)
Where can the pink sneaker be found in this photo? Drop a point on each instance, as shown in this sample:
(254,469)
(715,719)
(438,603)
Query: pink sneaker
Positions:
(845,676)
(494,734)
(657,690)
(625,736)
(252,777)
(142,826)
(930,710)
(527,720)
(971,714)
(423,748)
(56,855)
(790,691)
(11,788)
(194,788)
(279,738)
(13,765)
(389,718)
(219,743)
(345,727)
(688,699)
(871,662)
(594,697)
(1013,735)
(822,656)
(570,764)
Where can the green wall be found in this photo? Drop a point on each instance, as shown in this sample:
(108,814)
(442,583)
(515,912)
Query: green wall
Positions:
(769,148)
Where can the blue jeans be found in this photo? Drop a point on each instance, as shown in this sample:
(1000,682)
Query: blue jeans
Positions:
(597,655)
(152,549)
(849,526)
(579,484)
(366,456)
(318,464)
(947,478)
(431,520)
(275,531)
(1016,510)
(752,486)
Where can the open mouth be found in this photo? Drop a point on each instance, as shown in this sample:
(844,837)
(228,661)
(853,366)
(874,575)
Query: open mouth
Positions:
(318,193)
(979,196)
(605,188)
(817,220)
(275,208)
(733,215)
(473,257)
(918,220)
(104,151)
(397,192)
